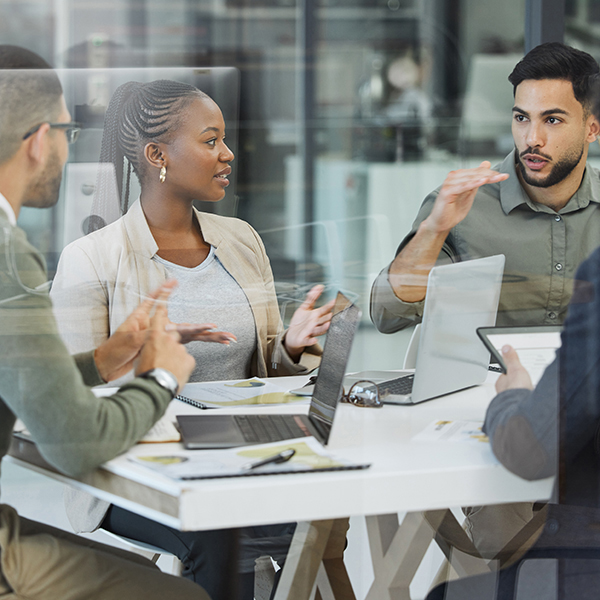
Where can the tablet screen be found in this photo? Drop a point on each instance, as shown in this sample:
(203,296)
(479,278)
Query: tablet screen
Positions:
(536,346)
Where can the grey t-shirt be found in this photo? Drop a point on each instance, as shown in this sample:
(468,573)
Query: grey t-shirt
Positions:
(209,294)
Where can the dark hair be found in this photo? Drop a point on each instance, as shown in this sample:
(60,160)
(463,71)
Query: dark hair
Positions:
(15,57)
(138,113)
(595,103)
(558,61)
(30,93)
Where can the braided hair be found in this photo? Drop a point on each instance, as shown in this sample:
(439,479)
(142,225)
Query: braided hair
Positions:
(138,113)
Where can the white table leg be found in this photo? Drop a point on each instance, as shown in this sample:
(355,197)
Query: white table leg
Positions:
(456,545)
(396,552)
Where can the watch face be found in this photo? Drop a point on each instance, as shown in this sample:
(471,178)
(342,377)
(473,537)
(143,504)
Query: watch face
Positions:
(165,379)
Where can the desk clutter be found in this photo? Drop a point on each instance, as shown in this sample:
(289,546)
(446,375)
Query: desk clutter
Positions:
(243,392)
(304,455)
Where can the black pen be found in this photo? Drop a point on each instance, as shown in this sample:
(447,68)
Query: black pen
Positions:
(282,457)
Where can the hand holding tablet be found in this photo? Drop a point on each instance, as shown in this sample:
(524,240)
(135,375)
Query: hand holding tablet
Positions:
(536,346)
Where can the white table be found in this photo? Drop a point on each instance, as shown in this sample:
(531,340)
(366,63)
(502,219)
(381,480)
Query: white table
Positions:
(405,476)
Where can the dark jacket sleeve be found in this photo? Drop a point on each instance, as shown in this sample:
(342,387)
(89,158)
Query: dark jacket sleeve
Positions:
(524,426)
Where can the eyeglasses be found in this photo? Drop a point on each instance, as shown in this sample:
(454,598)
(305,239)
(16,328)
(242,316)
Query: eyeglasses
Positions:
(366,397)
(71,130)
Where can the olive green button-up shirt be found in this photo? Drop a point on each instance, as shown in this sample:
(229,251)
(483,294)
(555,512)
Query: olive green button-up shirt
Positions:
(543,249)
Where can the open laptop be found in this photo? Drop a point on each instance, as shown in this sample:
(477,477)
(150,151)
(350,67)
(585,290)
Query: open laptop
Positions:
(460,298)
(225,431)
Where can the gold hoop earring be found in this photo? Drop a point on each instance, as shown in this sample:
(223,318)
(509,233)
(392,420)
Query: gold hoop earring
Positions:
(163,174)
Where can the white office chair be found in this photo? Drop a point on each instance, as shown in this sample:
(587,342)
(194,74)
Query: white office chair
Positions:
(148,551)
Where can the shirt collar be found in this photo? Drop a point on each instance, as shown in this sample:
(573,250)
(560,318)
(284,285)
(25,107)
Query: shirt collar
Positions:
(8,209)
(512,193)
(141,237)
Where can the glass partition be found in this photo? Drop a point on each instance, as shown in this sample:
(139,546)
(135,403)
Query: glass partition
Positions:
(349,112)
(342,115)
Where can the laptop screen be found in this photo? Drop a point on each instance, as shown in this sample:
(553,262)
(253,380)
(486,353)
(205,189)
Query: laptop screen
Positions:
(338,343)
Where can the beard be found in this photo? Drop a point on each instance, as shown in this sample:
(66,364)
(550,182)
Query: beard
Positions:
(43,192)
(560,171)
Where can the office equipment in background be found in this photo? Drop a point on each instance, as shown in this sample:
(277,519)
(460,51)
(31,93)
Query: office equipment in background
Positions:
(487,106)
(225,431)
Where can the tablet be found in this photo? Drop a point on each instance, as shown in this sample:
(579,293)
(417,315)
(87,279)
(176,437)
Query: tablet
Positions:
(536,346)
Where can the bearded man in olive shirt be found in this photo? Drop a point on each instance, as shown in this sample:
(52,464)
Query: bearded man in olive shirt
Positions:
(44,386)
(540,208)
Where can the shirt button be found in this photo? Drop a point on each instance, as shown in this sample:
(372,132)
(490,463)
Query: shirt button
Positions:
(557,218)
(552,315)
(558,267)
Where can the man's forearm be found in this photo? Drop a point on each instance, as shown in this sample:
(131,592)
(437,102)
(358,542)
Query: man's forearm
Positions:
(409,271)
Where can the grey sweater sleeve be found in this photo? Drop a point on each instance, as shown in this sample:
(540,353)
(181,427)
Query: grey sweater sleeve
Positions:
(41,384)
(87,367)
(523,427)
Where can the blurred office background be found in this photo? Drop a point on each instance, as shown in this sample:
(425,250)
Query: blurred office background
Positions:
(343,114)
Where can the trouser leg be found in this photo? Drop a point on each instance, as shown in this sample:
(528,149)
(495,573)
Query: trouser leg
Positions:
(491,528)
(209,557)
(40,562)
(221,561)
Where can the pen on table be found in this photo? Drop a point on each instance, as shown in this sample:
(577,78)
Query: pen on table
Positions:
(282,457)
(311,381)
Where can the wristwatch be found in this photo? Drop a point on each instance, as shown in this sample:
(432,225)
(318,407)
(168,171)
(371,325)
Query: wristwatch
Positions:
(164,378)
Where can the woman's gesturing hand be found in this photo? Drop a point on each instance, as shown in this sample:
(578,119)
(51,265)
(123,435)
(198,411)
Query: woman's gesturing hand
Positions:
(201,332)
(307,323)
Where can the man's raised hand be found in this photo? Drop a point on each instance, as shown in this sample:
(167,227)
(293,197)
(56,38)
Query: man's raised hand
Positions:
(457,194)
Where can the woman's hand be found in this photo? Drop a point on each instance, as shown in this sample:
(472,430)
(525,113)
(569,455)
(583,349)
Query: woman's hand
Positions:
(201,332)
(116,355)
(307,324)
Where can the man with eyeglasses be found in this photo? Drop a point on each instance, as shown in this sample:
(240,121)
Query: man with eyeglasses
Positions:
(71,130)
(45,387)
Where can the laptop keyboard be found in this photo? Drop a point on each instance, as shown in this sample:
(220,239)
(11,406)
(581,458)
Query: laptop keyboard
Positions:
(261,429)
(402,386)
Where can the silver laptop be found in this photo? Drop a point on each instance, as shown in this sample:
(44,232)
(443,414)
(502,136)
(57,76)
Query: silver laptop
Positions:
(224,431)
(460,298)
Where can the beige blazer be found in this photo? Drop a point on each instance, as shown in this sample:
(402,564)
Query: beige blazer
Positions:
(103,276)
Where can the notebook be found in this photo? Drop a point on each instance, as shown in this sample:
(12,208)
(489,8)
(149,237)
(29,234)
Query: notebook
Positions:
(308,457)
(461,297)
(210,430)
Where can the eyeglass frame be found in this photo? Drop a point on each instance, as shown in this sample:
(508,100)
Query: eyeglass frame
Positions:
(71,129)
(356,401)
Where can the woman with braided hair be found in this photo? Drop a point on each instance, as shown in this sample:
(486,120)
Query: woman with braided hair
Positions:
(173,138)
